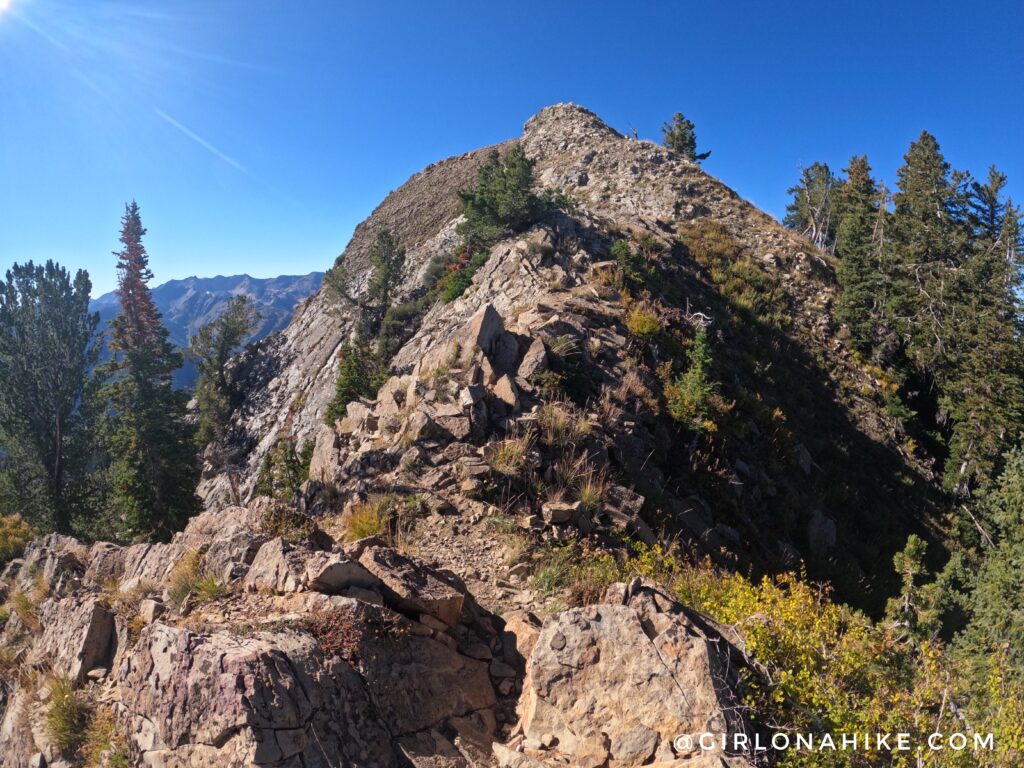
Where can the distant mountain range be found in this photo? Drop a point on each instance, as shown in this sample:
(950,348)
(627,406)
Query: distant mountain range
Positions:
(189,304)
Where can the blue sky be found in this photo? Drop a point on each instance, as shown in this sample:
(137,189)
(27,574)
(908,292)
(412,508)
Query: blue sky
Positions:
(255,135)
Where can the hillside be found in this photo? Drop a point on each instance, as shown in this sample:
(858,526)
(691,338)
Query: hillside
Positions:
(539,541)
(187,305)
(810,453)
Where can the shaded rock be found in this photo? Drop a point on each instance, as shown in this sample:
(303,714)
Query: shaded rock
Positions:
(335,573)
(560,512)
(412,588)
(534,361)
(276,568)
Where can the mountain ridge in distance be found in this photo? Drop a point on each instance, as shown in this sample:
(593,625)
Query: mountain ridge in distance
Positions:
(189,303)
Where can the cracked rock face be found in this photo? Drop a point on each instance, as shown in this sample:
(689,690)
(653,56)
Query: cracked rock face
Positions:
(616,683)
(279,670)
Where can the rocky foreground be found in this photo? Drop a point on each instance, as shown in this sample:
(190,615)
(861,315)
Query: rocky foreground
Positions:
(315,653)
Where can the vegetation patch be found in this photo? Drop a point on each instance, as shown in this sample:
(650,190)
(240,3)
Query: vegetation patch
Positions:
(189,578)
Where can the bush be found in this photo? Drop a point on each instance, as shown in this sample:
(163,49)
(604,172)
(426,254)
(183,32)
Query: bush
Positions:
(688,397)
(284,469)
(103,743)
(378,515)
(67,717)
(337,632)
(631,264)
(507,457)
(361,374)
(643,322)
(25,608)
(14,535)
(502,200)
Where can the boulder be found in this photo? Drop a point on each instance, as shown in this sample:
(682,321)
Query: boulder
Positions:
(277,567)
(77,635)
(614,684)
(413,588)
(225,700)
(480,333)
(505,390)
(534,361)
(150,564)
(560,512)
(326,455)
(334,573)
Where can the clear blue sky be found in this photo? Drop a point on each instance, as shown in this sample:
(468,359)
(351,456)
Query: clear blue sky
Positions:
(256,134)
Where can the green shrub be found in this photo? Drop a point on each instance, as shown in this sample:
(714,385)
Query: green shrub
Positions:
(643,322)
(502,200)
(688,397)
(284,469)
(631,264)
(360,374)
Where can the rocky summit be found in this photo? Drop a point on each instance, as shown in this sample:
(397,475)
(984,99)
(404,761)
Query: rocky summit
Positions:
(522,415)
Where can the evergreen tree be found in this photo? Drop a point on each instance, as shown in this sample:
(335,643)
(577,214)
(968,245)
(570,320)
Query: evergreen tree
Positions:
(997,601)
(926,243)
(387,260)
(210,349)
(681,138)
(502,201)
(813,210)
(46,353)
(153,465)
(858,268)
(984,398)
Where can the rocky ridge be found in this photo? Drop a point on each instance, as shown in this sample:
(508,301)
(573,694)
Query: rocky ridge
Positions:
(314,653)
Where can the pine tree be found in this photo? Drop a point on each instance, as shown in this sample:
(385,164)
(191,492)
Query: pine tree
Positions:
(813,210)
(681,138)
(153,465)
(210,349)
(858,269)
(46,352)
(984,398)
(927,243)
(997,601)
(502,201)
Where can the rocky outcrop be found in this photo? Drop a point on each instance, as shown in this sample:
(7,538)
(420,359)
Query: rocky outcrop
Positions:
(292,655)
(619,683)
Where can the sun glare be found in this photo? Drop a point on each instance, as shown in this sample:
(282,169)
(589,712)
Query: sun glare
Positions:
(5,5)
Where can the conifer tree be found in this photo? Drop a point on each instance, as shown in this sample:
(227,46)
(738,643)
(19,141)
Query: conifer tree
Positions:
(210,349)
(153,465)
(813,210)
(927,243)
(681,137)
(46,352)
(984,397)
(858,268)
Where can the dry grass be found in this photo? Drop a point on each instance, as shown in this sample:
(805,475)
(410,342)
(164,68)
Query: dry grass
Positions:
(508,457)
(190,578)
(67,717)
(561,426)
(26,608)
